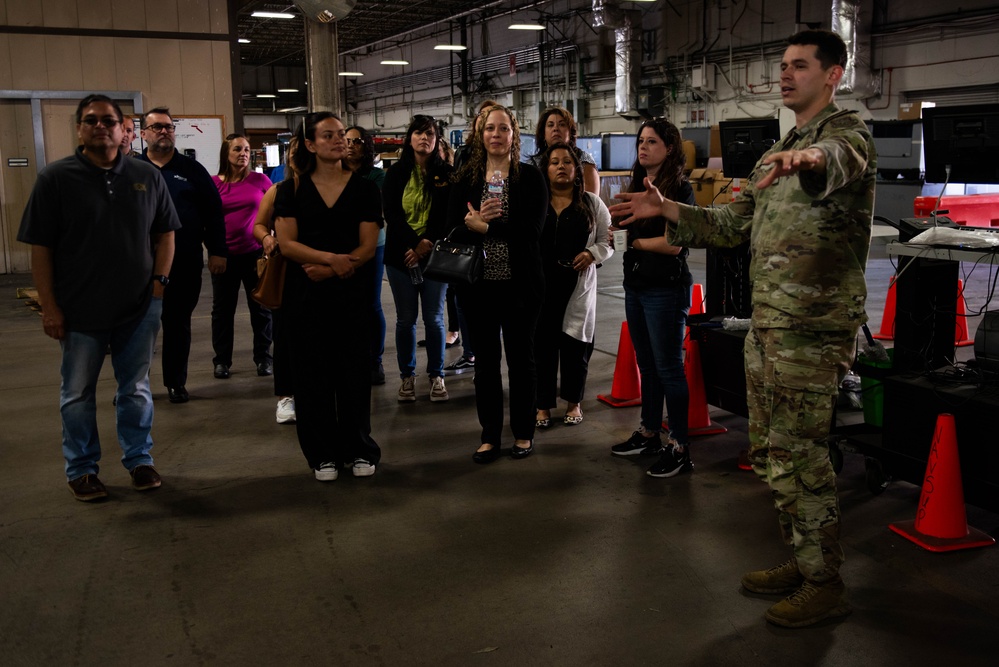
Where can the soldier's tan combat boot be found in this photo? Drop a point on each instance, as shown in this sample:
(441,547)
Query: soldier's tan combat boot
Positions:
(781,580)
(811,603)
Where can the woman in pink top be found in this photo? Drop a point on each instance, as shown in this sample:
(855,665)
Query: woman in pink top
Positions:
(241,189)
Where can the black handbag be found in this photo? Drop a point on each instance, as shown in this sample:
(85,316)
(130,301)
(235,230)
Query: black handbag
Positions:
(453,262)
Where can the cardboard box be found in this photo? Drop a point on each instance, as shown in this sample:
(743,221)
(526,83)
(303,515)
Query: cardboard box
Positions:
(722,191)
(913,110)
(707,183)
(715,148)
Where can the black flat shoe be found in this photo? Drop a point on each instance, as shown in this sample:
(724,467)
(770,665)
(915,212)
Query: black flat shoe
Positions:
(178,394)
(521,452)
(221,372)
(487,456)
(456,343)
(265,368)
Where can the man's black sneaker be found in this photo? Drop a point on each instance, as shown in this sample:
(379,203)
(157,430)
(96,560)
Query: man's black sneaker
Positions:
(672,461)
(638,444)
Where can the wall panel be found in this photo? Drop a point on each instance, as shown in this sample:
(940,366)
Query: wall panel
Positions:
(222,81)
(166,81)
(131,59)
(15,141)
(219,16)
(24,13)
(194,15)
(64,13)
(27,61)
(197,78)
(6,75)
(128,15)
(97,15)
(161,15)
(102,76)
(65,62)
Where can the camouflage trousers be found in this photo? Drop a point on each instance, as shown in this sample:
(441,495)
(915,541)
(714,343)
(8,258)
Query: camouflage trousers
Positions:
(792,380)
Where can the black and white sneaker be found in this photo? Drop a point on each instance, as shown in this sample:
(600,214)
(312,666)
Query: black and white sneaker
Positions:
(638,444)
(462,365)
(673,460)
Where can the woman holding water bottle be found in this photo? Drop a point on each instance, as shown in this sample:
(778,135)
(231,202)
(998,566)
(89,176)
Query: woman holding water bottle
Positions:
(502,205)
(414,202)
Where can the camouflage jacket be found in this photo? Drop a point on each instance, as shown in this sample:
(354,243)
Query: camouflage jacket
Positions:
(809,233)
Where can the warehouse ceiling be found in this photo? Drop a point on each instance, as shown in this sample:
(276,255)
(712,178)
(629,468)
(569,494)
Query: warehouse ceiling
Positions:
(281,42)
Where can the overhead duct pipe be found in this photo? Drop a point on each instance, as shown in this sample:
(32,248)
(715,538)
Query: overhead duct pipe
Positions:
(627,26)
(858,80)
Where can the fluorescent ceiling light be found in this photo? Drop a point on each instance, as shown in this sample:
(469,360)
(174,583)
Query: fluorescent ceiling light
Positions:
(243,40)
(450,47)
(395,62)
(287,90)
(265,96)
(272,15)
(351,74)
(526,26)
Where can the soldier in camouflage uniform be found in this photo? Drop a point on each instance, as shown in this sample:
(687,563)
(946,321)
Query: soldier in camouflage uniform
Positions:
(806,210)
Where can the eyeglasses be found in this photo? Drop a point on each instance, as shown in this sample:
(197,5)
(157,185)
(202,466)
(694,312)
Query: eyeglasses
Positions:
(355,142)
(160,127)
(107,121)
(567,263)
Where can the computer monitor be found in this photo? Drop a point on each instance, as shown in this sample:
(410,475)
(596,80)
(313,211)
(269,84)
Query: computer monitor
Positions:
(619,152)
(965,138)
(528,146)
(593,146)
(743,143)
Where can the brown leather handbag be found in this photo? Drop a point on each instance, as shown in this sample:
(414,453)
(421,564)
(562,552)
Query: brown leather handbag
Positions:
(270,279)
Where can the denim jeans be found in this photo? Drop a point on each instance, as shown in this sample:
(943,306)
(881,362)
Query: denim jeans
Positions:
(82,358)
(407,302)
(657,319)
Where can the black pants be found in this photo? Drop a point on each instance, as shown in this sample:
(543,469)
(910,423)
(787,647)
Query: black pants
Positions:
(179,300)
(332,377)
(494,311)
(554,349)
(284,371)
(239,270)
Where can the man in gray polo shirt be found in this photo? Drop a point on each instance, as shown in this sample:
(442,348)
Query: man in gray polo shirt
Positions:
(101,234)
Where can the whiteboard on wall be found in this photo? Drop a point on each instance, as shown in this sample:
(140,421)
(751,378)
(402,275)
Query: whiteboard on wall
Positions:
(201,134)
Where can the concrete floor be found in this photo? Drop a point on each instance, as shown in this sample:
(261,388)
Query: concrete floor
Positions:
(571,557)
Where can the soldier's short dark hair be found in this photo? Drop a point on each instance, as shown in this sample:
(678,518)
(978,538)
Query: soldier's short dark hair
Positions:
(830,47)
(90,99)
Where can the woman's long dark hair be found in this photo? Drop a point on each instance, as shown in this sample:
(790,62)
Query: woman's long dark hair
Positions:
(226,171)
(539,133)
(368,156)
(670,176)
(423,123)
(304,160)
(474,170)
(579,203)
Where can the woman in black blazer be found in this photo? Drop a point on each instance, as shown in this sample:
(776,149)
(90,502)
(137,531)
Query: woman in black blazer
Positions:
(505,217)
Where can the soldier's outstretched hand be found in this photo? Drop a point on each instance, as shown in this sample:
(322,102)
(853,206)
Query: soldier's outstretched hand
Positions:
(638,205)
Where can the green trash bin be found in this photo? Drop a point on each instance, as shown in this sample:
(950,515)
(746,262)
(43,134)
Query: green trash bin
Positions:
(872,391)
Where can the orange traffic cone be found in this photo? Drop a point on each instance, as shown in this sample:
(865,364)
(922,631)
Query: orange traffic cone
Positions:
(961,327)
(698,418)
(887,330)
(697,299)
(626,390)
(941,522)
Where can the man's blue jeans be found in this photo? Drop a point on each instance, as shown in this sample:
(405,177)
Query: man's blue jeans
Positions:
(657,318)
(407,303)
(82,358)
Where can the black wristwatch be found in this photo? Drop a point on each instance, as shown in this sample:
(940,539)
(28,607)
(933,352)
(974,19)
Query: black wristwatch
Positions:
(161,279)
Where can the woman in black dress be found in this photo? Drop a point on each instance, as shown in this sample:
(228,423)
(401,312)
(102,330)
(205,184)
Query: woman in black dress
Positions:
(327,225)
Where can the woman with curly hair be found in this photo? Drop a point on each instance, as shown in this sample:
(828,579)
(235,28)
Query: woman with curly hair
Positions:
(556,125)
(501,205)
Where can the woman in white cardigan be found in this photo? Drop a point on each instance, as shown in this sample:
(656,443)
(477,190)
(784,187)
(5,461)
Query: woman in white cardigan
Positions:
(574,241)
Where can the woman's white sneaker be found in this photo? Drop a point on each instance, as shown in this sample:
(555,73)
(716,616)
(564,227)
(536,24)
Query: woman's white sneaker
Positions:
(286,410)
(363,468)
(327,472)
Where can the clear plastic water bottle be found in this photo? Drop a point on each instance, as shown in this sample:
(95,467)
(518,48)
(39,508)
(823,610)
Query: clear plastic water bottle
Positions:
(416,274)
(494,189)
